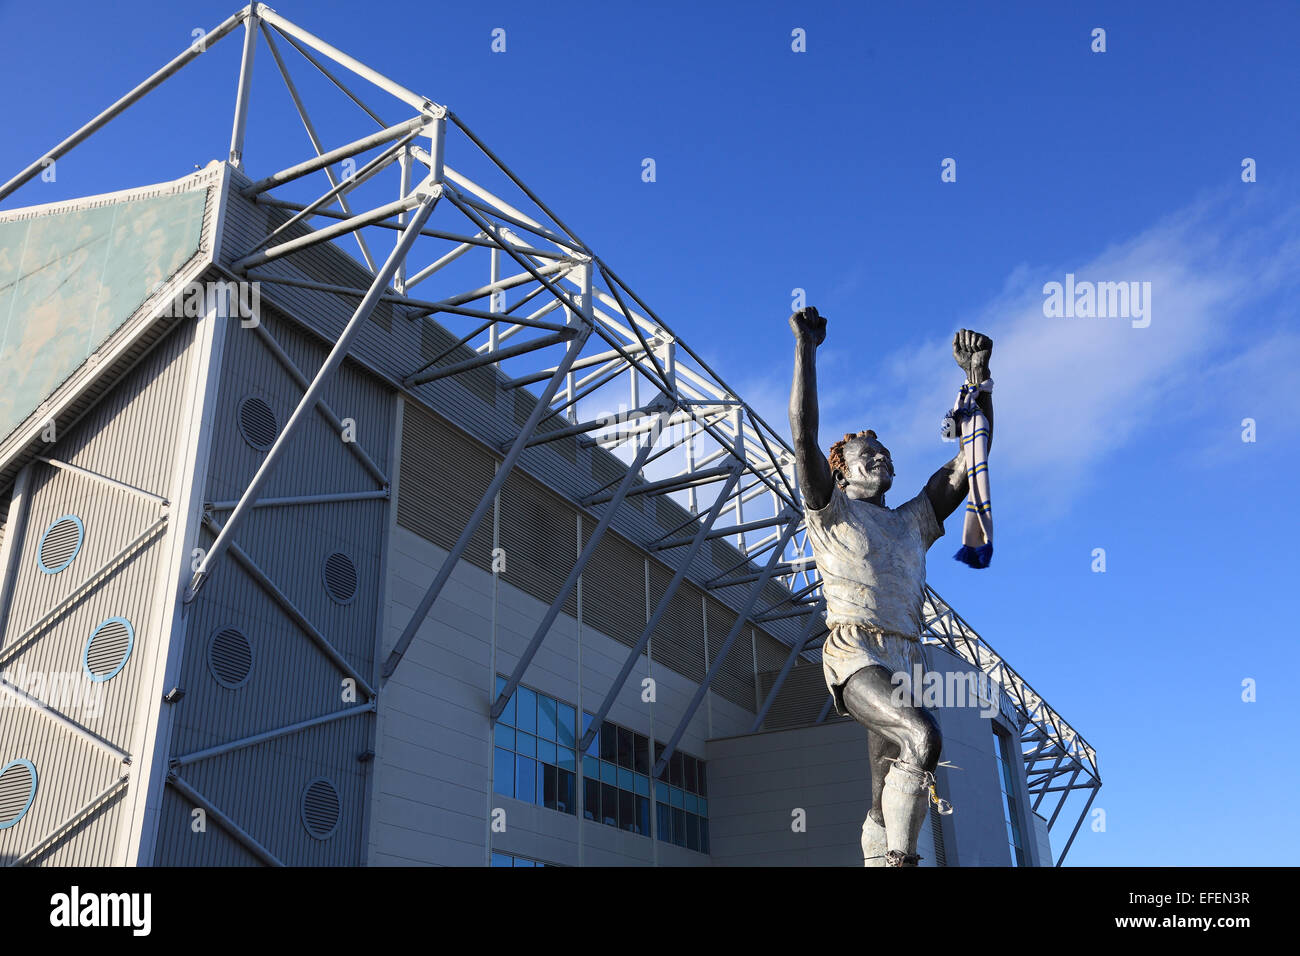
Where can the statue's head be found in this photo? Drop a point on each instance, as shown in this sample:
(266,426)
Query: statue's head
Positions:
(862,466)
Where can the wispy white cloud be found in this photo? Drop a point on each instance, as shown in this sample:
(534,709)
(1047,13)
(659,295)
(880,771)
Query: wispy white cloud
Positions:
(1071,392)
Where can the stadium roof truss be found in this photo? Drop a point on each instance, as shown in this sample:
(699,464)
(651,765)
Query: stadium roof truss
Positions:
(581,333)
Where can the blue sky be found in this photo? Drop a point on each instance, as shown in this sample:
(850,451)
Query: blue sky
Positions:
(820,170)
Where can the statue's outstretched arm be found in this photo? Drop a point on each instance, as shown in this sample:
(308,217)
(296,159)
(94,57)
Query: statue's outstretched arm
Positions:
(814,471)
(947,487)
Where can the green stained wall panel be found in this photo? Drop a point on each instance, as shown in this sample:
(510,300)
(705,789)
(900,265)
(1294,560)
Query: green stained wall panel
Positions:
(70,279)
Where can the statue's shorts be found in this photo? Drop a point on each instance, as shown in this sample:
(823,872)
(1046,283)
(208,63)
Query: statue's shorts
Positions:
(851,647)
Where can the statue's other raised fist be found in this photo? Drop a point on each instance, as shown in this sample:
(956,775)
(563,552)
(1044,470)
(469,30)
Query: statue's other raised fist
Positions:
(972,351)
(809,325)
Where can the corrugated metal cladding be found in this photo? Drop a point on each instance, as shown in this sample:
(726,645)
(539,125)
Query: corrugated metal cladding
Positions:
(801,699)
(525,402)
(613,588)
(678,638)
(444,476)
(437,343)
(131,436)
(735,679)
(539,535)
(291,678)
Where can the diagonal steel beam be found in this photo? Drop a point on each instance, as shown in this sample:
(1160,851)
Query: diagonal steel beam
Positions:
(826,709)
(489,358)
(742,618)
(223,820)
(245,85)
(291,610)
(291,367)
(1082,816)
(55,836)
(700,536)
(194,50)
(315,391)
(814,616)
(485,503)
(570,582)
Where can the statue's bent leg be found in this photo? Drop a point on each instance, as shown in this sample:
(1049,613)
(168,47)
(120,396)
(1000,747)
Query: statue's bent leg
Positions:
(869,698)
(874,841)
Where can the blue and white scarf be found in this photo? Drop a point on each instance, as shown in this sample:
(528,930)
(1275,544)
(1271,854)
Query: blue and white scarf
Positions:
(977,532)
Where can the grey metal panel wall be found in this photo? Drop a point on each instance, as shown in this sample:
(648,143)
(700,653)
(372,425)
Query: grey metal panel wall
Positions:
(216,847)
(292,680)
(614,589)
(539,539)
(444,477)
(801,698)
(735,679)
(978,825)
(678,639)
(131,437)
(433,768)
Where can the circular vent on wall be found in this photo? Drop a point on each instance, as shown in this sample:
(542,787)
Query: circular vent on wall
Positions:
(17,791)
(60,544)
(321,808)
(257,423)
(340,577)
(230,657)
(108,649)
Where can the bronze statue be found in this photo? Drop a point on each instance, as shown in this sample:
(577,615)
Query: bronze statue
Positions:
(872,564)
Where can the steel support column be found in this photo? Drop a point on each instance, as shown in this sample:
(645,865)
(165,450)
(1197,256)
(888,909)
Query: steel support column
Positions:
(742,618)
(489,496)
(314,393)
(552,612)
(813,617)
(245,86)
(714,512)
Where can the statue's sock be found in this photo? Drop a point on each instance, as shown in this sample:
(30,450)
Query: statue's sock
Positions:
(904,803)
(873,843)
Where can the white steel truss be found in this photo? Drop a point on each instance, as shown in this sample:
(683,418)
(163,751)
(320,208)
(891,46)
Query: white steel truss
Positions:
(574,327)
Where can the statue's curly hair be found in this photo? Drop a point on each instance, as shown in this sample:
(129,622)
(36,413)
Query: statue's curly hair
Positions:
(836,456)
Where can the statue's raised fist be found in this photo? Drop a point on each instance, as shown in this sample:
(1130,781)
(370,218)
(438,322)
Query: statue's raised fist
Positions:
(972,351)
(809,324)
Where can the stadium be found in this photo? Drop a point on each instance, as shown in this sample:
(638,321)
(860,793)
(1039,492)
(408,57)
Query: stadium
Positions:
(356,512)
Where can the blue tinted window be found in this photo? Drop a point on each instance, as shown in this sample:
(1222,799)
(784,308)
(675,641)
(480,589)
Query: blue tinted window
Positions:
(526,744)
(501,859)
(526,718)
(526,779)
(503,772)
(546,751)
(546,717)
(503,736)
(564,717)
(608,773)
(566,760)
